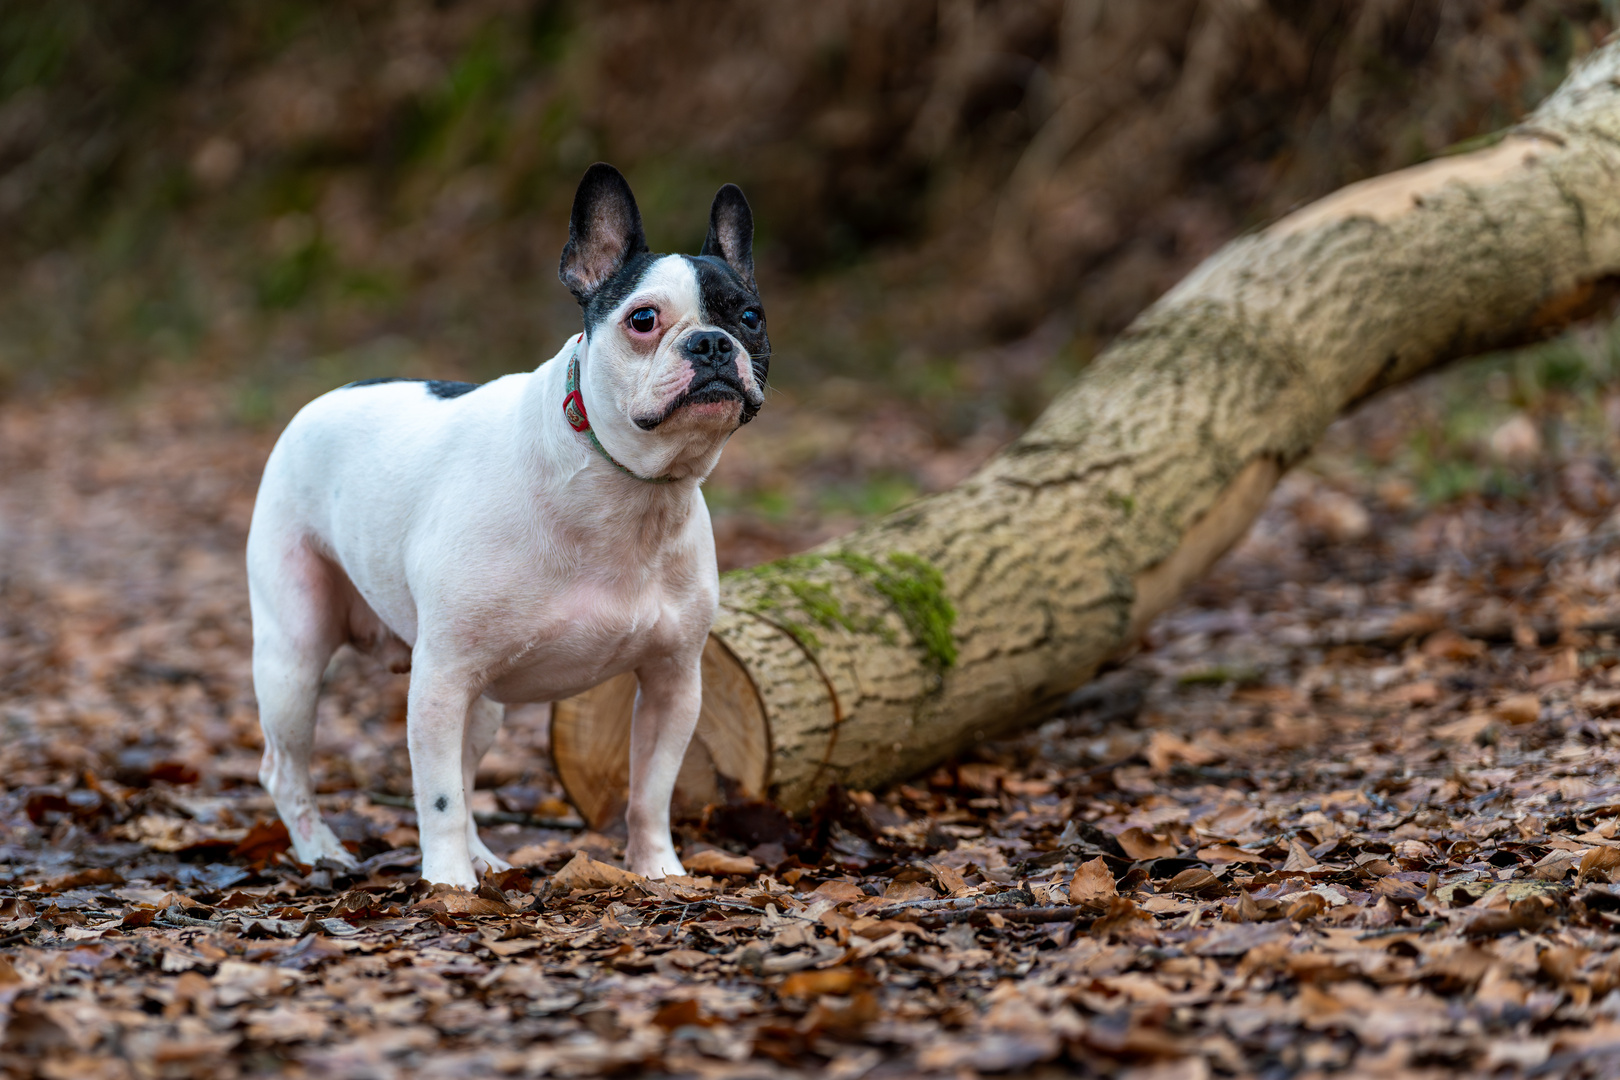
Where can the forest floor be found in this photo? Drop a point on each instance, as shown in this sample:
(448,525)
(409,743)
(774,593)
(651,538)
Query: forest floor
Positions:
(1354,805)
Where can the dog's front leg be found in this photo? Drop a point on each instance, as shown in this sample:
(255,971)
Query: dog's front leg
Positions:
(436,727)
(666,713)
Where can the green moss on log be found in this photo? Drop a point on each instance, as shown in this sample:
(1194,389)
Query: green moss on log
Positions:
(913,588)
(916,591)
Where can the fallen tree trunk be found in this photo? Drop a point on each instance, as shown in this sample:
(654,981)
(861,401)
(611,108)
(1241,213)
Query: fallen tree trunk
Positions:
(959,616)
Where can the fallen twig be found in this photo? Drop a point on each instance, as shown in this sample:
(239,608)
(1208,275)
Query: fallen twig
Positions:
(981,915)
(1011,898)
(175,917)
(1397,931)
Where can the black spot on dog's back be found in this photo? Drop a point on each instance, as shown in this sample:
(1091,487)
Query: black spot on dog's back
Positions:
(439,388)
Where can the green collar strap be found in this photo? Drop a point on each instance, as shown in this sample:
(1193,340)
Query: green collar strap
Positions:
(574,413)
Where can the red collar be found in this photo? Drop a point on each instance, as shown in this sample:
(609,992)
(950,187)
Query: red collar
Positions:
(574,413)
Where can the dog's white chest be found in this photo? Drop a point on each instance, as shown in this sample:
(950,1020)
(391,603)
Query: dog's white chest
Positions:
(588,633)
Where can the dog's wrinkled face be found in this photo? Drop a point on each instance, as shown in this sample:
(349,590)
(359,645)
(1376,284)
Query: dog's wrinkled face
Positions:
(676,344)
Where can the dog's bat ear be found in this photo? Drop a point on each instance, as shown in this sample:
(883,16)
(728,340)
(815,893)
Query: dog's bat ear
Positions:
(731,232)
(604,231)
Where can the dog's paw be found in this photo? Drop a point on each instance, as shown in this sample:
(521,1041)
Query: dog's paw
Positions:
(659,865)
(484,860)
(461,876)
(322,843)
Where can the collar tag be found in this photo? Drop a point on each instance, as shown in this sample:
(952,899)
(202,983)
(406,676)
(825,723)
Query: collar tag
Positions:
(574,410)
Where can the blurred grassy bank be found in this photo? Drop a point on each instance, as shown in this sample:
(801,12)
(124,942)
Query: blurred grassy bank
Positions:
(957,202)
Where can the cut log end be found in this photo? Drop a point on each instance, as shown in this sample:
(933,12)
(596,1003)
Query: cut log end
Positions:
(730,755)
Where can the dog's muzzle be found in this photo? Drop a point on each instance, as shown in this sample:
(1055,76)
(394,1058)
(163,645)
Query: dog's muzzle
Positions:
(713,356)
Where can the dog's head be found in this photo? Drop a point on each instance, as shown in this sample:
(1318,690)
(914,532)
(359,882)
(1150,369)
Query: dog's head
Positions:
(676,350)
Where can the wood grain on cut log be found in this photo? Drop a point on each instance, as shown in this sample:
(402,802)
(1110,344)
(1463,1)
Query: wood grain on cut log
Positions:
(889,650)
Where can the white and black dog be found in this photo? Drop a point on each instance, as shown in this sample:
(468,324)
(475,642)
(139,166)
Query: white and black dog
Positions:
(517,541)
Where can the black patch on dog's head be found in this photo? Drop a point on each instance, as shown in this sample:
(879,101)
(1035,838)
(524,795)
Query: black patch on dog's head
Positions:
(725,295)
(439,388)
(614,290)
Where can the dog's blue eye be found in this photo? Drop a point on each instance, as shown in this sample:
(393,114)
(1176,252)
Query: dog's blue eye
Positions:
(642,320)
(752,319)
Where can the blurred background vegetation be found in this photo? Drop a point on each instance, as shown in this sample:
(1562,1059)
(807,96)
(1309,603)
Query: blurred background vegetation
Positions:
(958,201)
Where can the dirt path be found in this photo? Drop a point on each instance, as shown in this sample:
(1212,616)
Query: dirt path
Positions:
(1354,806)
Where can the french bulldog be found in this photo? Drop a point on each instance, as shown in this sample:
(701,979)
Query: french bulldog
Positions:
(520,540)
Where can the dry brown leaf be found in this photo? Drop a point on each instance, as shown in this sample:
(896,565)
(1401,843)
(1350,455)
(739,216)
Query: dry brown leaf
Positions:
(585,874)
(1457,967)
(1305,908)
(454,901)
(1093,885)
(1140,844)
(1529,913)
(839,891)
(532,856)
(1598,861)
(1562,963)
(264,840)
(1518,709)
(846,1020)
(1466,728)
(1317,1008)
(1250,910)
(81,878)
(1126,921)
(1228,853)
(683,1013)
(1195,880)
(1499,989)
(1418,693)
(900,892)
(1165,749)
(1450,645)
(949,879)
(720,863)
(1298,858)
(838,980)
(1415,624)
(1566,665)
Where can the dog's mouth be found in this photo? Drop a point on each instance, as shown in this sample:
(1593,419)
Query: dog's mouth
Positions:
(713,390)
(716,389)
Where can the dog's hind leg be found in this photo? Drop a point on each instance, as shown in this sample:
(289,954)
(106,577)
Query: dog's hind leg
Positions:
(483,724)
(295,632)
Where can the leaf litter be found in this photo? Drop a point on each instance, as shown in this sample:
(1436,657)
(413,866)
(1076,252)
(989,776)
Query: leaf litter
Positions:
(1352,807)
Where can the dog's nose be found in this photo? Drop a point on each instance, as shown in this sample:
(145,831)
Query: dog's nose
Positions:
(709,347)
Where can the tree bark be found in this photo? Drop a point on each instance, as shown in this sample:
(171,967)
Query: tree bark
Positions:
(967,613)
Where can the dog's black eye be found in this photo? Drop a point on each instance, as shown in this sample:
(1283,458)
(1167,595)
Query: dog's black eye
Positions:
(642,320)
(752,319)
